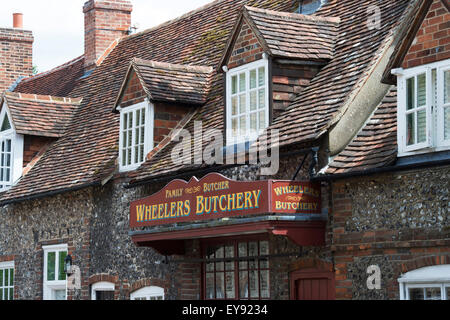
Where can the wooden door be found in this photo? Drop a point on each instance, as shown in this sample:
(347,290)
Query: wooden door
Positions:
(315,285)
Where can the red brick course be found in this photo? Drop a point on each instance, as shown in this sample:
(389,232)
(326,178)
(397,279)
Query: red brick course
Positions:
(104,23)
(246,49)
(432,41)
(16,56)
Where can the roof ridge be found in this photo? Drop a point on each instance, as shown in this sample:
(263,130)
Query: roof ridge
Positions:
(62,66)
(168,22)
(173,66)
(296,16)
(44,98)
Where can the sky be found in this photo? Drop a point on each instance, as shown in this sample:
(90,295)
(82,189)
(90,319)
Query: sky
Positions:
(58,25)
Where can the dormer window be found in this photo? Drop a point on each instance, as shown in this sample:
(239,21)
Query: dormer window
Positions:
(424,108)
(247,102)
(11,151)
(136,138)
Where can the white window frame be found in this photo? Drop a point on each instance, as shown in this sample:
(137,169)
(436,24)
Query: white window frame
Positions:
(17,142)
(232,140)
(434,107)
(101,286)
(49,287)
(148,136)
(427,277)
(441,105)
(4,266)
(148,293)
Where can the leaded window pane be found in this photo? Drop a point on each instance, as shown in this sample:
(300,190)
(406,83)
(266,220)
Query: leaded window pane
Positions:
(264,283)
(220,286)
(254,284)
(230,285)
(210,286)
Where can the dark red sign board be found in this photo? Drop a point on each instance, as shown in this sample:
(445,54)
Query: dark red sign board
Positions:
(215,197)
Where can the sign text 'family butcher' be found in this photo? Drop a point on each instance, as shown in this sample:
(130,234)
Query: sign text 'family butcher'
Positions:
(215,197)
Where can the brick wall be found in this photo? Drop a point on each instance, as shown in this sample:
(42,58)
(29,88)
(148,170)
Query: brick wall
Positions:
(398,222)
(189,274)
(104,22)
(134,93)
(432,42)
(167,117)
(32,146)
(288,82)
(16,56)
(246,48)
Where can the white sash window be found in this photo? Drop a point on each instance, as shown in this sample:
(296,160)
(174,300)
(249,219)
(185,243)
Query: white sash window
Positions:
(148,293)
(7,280)
(247,102)
(429,283)
(55,284)
(11,151)
(136,135)
(423,108)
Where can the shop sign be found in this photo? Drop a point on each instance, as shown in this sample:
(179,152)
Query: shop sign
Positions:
(216,197)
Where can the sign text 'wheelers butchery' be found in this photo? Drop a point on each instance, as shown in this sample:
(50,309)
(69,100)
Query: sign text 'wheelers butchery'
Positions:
(215,197)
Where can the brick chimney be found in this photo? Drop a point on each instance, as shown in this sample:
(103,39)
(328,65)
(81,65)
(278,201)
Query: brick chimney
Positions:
(16,53)
(104,22)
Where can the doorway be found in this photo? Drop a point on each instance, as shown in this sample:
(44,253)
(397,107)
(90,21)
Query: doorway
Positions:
(312,284)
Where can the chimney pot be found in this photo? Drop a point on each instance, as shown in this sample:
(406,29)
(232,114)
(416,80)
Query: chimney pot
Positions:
(17,20)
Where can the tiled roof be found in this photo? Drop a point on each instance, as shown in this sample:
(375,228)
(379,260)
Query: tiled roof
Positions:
(59,81)
(39,115)
(375,145)
(87,152)
(297,36)
(356,50)
(174,82)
